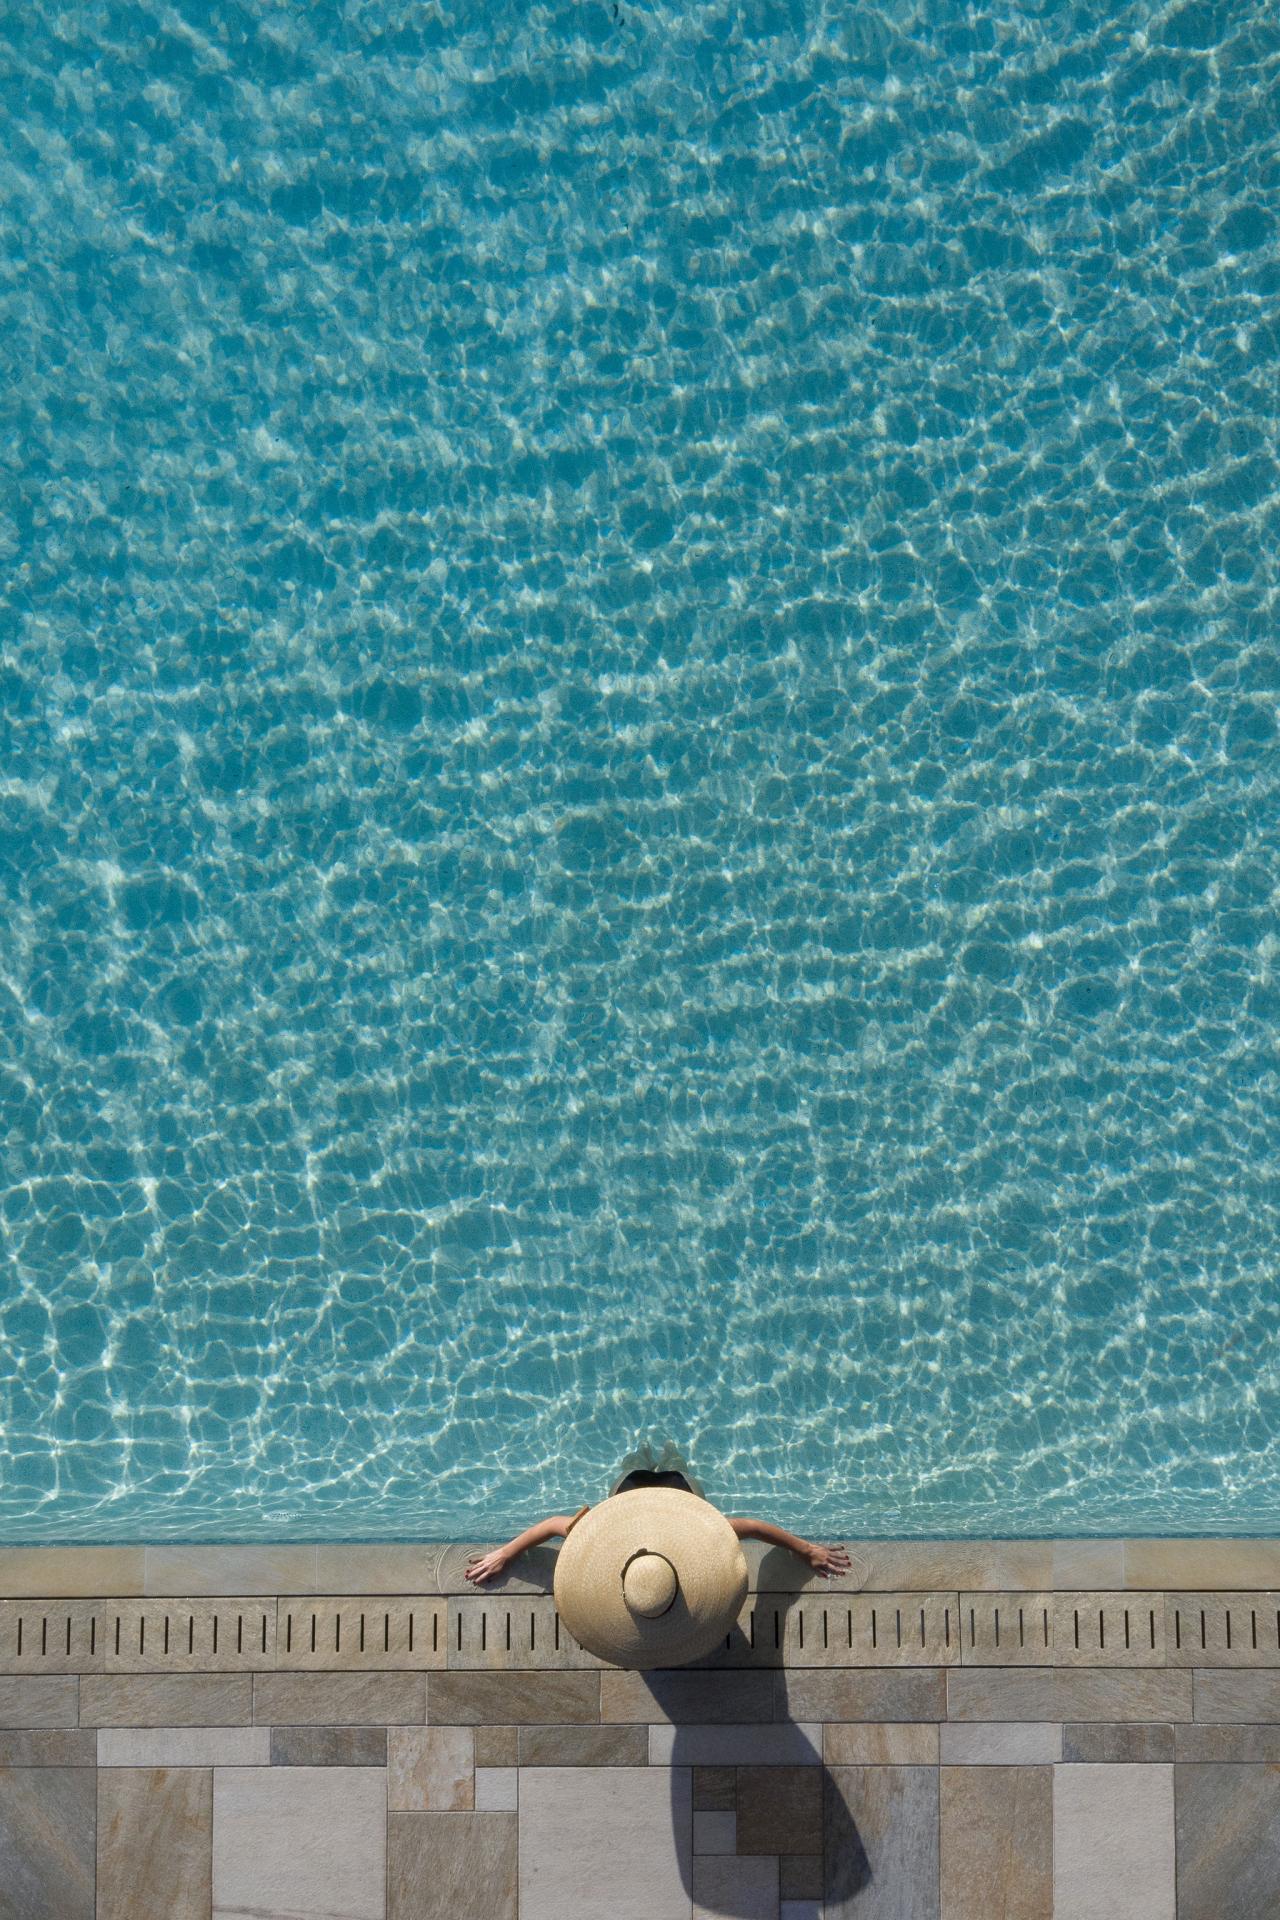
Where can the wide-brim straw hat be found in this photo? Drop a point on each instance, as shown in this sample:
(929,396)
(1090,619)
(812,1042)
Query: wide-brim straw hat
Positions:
(651,1578)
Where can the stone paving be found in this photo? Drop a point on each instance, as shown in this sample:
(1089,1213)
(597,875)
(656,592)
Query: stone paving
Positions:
(349,1734)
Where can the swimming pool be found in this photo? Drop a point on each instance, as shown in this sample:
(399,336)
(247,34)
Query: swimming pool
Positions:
(639,779)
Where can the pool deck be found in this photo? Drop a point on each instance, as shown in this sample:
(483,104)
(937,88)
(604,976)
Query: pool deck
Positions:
(1009,1730)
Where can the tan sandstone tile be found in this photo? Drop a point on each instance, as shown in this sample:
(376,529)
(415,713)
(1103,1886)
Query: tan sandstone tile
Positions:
(1202,1564)
(1088,1564)
(867,1693)
(166,1700)
(184,1747)
(1113,1843)
(497,1746)
(518,1698)
(54,1748)
(339,1699)
(619,1746)
(263,1571)
(995,1743)
(402,1569)
(1237,1743)
(996,1843)
(39,1700)
(328,1746)
(58,1572)
(1228,1842)
(880,1744)
(451,1866)
(47,1824)
(155,1843)
(1139,1744)
(1102,1693)
(430,1769)
(1223,1693)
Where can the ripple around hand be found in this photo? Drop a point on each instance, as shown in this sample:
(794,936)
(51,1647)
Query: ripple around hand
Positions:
(639,784)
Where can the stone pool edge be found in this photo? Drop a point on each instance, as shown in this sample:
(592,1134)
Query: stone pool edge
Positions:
(436,1568)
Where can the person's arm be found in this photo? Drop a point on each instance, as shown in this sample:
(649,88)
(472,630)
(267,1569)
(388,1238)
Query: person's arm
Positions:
(824,1560)
(483,1567)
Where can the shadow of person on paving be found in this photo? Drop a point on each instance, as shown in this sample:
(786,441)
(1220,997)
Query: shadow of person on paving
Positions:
(757,1818)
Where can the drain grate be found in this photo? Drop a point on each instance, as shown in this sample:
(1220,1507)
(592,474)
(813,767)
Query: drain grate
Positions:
(328,1635)
(1222,1629)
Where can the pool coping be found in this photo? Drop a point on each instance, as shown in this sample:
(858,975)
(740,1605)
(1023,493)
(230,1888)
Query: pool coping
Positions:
(437,1567)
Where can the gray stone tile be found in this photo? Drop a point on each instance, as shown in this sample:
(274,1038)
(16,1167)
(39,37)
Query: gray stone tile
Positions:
(745,1888)
(1224,1694)
(184,1747)
(881,1851)
(497,1789)
(623,1830)
(328,1746)
(779,1809)
(430,1769)
(781,1746)
(47,1827)
(54,1748)
(67,1572)
(1113,1843)
(155,1843)
(451,1866)
(339,1699)
(918,1693)
(1228,1842)
(800,1910)
(1001,1743)
(690,1699)
(850,1743)
(996,1851)
(1105,1693)
(714,1831)
(800,1876)
(247,1570)
(1238,1742)
(522,1699)
(715,1789)
(1102,1744)
(497,1746)
(166,1700)
(38,1700)
(619,1746)
(299,1843)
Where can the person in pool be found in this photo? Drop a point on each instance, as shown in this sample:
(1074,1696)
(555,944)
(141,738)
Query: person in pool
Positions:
(642,1469)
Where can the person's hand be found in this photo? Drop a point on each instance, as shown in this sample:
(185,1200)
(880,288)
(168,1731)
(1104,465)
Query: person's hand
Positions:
(827,1560)
(483,1566)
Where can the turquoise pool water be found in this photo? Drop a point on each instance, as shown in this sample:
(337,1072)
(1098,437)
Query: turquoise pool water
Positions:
(638,774)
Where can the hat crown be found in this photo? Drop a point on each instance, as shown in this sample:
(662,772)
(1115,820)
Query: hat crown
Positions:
(649,1583)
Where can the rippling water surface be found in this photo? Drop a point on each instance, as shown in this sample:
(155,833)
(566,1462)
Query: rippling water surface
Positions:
(638,764)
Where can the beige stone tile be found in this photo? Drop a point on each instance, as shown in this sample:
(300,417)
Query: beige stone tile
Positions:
(497,1746)
(155,1843)
(627,1830)
(905,1694)
(1113,1843)
(328,1746)
(1102,1693)
(339,1699)
(242,1571)
(191,1635)
(1237,1743)
(881,1842)
(933,1566)
(47,1827)
(452,1866)
(184,1747)
(880,1744)
(996,1743)
(519,1698)
(1228,1842)
(308,1843)
(725,1888)
(719,1746)
(1240,1629)
(1139,1744)
(330,1633)
(38,1700)
(371,1569)
(166,1700)
(67,1572)
(1202,1564)
(430,1769)
(618,1746)
(1088,1564)
(533,1573)
(697,1698)
(996,1843)
(779,1809)
(55,1748)
(1221,1694)
(714,1789)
